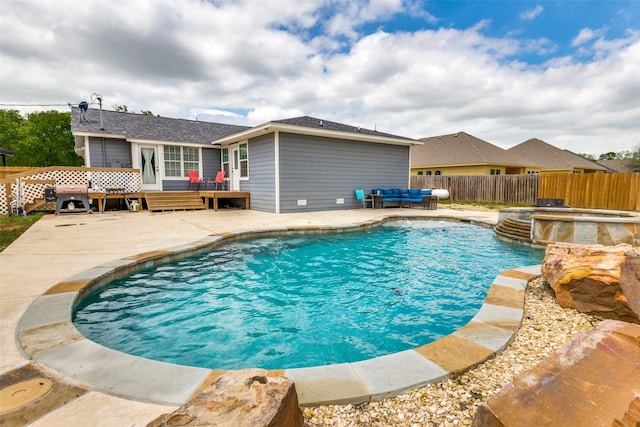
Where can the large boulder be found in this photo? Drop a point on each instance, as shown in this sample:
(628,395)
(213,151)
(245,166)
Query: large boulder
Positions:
(246,398)
(595,279)
(593,380)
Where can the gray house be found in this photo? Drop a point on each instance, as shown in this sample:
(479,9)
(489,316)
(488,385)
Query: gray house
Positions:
(295,165)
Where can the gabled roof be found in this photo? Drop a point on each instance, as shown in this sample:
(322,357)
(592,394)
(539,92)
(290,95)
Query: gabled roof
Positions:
(318,127)
(313,123)
(616,165)
(137,127)
(461,149)
(548,157)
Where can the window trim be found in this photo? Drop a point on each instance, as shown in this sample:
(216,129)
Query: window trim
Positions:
(241,160)
(183,171)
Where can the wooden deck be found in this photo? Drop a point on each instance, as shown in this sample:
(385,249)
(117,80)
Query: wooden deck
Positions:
(160,201)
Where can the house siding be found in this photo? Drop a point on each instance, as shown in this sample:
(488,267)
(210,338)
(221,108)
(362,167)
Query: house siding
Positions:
(262,182)
(210,162)
(321,170)
(116,153)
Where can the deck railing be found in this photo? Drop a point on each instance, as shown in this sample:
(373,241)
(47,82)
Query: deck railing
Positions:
(25,188)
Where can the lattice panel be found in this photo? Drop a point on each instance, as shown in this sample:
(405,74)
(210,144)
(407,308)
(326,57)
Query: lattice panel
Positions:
(30,192)
(4,200)
(101,179)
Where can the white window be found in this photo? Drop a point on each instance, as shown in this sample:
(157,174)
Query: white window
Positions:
(225,161)
(244,160)
(172,160)
(178,161)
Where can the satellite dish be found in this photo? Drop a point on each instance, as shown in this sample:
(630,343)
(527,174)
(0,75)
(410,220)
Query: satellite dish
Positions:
(83,106)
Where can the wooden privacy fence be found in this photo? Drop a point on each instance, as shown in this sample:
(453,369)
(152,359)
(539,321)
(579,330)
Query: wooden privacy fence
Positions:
(508,189)
(618,191)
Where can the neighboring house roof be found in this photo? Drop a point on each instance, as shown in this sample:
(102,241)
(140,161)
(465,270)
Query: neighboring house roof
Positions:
(135,127)
(549,157)
(461,149)
(616,165)
(318,127)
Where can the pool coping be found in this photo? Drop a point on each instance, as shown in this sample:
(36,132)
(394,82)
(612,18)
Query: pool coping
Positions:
(46,334)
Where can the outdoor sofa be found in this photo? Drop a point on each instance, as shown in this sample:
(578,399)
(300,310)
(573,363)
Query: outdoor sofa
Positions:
(404,197)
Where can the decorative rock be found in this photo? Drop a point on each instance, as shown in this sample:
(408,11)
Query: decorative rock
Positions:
(592,380)
(251,398)
(588,278)
(630,282)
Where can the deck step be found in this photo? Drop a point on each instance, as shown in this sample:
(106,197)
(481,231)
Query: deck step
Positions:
(159,201)
(514,228)
(30,207)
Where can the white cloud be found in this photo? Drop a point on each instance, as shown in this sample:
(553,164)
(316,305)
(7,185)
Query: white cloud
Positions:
(531,14)
(249,62)
(585,35)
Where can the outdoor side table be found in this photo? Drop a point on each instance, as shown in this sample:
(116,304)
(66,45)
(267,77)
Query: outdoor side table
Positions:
(377,201)
(115,190)
(430,202)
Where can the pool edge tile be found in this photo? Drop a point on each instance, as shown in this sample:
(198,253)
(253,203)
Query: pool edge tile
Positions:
(119,373)
(489,336)
(510,282)
(499,316)
(527,272)
(505,296)
(465,353)
(47,309)
(397,373)
(81,280)
(44,338)
(328,385)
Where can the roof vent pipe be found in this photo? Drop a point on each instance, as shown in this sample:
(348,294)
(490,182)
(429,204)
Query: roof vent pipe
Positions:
(99,98)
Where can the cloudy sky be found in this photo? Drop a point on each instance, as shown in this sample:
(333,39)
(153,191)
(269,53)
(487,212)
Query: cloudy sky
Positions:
(567,72)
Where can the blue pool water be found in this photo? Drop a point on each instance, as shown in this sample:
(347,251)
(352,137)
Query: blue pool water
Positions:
(300,301)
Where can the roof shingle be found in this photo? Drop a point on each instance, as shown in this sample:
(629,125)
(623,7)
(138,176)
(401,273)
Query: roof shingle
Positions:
(153,128)
(460,149)
(548,157)
(312,122)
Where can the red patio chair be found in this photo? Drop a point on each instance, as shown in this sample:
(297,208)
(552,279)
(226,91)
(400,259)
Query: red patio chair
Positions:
(194,179)
(219,179)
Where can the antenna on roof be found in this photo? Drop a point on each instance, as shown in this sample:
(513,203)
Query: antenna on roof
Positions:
(95,96)
(83,107)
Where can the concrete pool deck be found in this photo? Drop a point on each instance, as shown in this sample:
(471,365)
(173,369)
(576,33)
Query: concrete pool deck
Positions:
(92,385)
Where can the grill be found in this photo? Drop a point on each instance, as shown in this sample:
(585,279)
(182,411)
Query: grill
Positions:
(72,199)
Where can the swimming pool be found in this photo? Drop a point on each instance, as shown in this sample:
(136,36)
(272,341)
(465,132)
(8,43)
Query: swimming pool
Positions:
(295,301)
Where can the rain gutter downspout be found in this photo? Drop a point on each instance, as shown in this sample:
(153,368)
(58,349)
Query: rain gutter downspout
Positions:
(276,139)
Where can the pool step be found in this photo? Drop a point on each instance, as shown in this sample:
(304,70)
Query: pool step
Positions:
(174,201)
(514,228)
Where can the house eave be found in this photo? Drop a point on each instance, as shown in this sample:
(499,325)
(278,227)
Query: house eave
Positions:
(163,142)
(301,130)
(99,134)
